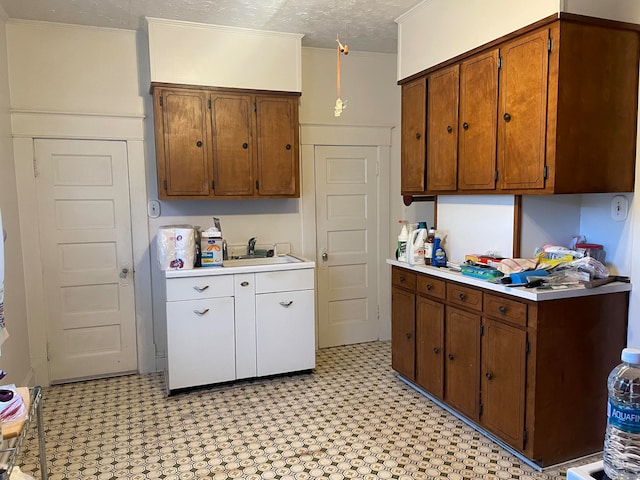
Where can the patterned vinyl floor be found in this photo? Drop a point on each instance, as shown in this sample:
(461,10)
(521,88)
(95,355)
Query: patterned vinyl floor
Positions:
(350,418)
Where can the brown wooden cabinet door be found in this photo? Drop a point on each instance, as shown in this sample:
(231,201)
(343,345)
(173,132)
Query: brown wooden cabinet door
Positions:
(182,129)
(232,117)
(413,141)
(403,325)
(430,346)
(277,146)
(522,112)
(503,381)
(478,122)
(442,129)
(462,362)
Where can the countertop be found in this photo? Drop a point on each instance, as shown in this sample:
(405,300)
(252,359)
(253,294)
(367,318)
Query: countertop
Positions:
(534,294)
(207,271)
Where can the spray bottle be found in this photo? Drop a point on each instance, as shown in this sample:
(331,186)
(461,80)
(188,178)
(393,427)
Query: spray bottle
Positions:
(403,238)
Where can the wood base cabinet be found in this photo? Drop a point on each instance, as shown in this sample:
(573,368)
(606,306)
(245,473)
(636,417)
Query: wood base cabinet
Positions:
(226,143)
(531,373)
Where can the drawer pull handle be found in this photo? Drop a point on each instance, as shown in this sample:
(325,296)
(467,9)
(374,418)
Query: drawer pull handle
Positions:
(502,310)
(488,375)
(287,304)
(451,357)
(201,312)
(462,296)
(200,289)
(429,286)
(244,284)
(436,350)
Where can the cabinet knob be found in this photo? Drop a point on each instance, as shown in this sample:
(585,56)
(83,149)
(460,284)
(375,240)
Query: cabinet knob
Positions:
(200,289)
(451,357)
(402,279)
(288,147)
(449,129)
(408,335)
(429,286)
(245,145)
(199,143)
(462,296)
(488,375)
(286,304)
(465,125)
(418,136)
(436,350)
(502,310)
(507,117)
(244,284)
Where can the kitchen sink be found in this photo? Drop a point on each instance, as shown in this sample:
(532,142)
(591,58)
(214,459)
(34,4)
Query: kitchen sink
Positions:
(249,260)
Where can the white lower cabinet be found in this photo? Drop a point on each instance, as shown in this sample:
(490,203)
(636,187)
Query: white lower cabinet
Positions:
(243,325)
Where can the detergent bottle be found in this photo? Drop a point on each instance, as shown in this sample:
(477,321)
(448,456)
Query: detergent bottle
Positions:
(415,246)
(439,255)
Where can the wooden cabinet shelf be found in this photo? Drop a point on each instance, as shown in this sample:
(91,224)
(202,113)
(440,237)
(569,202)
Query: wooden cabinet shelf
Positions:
(226,143)
(550,110)
(531,373)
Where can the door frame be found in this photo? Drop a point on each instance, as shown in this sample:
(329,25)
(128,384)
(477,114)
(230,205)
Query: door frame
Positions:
(379,136)
(28,126)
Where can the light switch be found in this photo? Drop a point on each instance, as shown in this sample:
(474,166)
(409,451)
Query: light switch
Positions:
(619,208)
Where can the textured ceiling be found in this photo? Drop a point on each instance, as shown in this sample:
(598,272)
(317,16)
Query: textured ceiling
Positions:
(365,25)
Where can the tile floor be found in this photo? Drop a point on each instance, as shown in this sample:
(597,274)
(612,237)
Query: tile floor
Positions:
(350,418)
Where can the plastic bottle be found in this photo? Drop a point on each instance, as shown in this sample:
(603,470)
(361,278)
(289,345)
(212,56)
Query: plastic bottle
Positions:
(622,437)
(439,256)
(428,245)
(415,247)
(403,238)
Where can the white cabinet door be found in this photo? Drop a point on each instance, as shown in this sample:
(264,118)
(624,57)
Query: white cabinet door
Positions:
(200,342)
(285,328)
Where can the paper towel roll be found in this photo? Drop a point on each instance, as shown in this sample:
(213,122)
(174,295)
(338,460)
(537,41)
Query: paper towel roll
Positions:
(176,245)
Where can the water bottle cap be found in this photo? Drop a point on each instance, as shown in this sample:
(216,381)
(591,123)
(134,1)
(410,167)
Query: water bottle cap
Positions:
(631,355)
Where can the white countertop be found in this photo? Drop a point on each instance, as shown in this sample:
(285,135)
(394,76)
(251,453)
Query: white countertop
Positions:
(206,271)
(535,294)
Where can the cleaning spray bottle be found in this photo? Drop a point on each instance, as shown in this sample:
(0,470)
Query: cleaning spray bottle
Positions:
(415,246)
(403,238)
(439,258)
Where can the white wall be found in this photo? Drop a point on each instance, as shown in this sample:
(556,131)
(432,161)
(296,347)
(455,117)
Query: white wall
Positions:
(15,351)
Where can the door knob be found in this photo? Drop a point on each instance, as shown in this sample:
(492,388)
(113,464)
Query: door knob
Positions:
(124,272)
(325,256)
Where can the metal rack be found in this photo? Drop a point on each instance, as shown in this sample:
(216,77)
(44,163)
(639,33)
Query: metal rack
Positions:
(11,447)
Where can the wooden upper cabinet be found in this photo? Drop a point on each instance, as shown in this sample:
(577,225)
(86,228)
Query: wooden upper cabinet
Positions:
(277,162)
(523,111)
(226,143)
(182,128)
(413,141)
(442,130)
(478,122)
(233,150)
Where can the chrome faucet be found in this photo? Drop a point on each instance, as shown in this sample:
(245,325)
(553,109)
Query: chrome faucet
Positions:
(251,246)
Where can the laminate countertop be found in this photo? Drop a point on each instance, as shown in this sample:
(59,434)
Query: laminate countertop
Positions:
(535,294)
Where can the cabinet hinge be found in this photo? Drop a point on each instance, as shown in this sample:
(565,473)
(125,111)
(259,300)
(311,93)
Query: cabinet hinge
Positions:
(550,44)
(48,355)
(499,63)
(527,347)
(213,184)
(525,437)
(497,174)
(546,172)
(480,408)
(160,101)
(35,167)
(209,104)
(257,185)
(482,330)
(165,186)
(255,106)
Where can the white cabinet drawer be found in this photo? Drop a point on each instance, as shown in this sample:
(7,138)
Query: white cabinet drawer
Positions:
(284,281)
(192,288)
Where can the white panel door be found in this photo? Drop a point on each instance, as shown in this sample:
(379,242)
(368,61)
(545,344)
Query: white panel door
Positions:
(347,229)
(85,243)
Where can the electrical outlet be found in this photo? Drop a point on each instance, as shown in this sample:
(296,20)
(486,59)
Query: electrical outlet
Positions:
(153,208)
(619,208)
